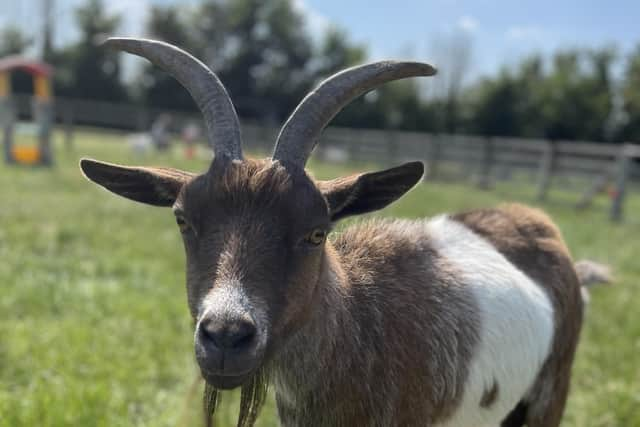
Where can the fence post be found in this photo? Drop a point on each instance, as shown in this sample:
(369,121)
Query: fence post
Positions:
(7,118)
(433,157)
(547,166)
(487,161)
(142,120)
(622,175)
(392,147)
(68,126)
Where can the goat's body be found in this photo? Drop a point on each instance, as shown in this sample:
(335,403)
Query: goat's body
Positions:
(433,323)
(470,320)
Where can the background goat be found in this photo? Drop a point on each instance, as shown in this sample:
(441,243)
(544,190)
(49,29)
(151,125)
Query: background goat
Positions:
(464,320)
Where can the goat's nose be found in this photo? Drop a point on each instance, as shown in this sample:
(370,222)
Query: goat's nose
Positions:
(228,334)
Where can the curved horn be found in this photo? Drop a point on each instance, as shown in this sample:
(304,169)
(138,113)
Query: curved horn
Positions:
(300,133)
(220,118)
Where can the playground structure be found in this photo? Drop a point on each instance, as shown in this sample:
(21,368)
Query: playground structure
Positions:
(42,108)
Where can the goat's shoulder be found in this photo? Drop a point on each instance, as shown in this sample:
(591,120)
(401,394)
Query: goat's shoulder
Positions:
(392,246)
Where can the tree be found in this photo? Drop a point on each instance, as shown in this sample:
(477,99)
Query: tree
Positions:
(262,53)
(573,100)
(510,104)
(160,89)
(260,50)
(336,52)
(578,95)
(13,41)
(631,97)
(453,55)
(496,112)
(84,69)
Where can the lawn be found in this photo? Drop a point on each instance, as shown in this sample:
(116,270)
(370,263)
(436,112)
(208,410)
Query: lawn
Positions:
(94,327)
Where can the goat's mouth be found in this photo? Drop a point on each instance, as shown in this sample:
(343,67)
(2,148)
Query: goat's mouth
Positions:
(228,379)
(225,382)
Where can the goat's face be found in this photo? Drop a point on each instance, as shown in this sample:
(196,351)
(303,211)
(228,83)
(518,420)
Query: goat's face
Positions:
(254,234)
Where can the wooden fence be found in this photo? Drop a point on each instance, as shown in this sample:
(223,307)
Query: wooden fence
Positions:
(482,160)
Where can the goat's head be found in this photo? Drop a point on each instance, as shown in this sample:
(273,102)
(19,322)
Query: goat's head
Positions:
(255,230)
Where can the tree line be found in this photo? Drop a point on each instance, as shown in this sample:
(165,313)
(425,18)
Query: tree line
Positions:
(268,60)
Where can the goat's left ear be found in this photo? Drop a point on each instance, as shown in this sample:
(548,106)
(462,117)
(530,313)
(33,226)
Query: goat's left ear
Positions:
(150,185)
(367,192)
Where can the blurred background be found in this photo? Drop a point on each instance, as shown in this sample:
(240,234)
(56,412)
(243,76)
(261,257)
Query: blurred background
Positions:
(535,101)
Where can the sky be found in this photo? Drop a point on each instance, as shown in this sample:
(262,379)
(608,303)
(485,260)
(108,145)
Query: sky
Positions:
(501,32)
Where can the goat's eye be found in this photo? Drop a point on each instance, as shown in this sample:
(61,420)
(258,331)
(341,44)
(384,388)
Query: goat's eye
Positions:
(317,236)
(184,227)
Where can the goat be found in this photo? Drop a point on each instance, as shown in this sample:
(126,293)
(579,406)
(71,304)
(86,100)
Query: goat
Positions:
(470,319)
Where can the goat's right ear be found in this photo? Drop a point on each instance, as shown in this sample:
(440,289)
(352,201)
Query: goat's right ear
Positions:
(367,192)
(151,185)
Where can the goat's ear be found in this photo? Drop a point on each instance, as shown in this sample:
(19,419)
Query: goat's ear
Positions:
(358,194)
(151,185)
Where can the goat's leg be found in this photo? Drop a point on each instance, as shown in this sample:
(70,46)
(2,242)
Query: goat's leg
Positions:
(546,405)
(517,417)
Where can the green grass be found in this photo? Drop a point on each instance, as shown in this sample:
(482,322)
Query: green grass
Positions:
(94,328)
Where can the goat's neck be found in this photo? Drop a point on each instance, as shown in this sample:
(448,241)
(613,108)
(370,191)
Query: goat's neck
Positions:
(309,356)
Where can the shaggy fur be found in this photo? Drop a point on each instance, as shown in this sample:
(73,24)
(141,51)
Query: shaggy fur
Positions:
(530,240)
(379,325)
(470,320)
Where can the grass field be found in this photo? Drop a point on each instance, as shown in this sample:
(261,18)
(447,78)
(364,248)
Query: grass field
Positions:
(94,327)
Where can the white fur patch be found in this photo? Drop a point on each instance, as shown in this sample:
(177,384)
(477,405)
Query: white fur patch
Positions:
(516,324)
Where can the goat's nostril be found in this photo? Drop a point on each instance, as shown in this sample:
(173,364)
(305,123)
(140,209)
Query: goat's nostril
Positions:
(228,334)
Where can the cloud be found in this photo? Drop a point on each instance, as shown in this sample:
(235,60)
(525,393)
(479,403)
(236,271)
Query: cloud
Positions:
(525,33)
(467,23)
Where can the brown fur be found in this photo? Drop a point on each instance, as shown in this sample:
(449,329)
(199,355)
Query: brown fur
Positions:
(528,238)
(373,327)
(377,351)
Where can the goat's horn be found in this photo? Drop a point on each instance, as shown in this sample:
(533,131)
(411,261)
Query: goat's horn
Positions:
(300,133)
(220,118)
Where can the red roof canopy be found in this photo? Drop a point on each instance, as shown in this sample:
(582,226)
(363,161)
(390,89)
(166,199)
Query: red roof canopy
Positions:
(31,66)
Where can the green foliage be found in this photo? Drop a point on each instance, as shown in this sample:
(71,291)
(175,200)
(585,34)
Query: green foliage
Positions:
(260,50)
(155,87)
(573,100)
(631,97)
(84,69)
(13,41)
(94,326)
(268,59)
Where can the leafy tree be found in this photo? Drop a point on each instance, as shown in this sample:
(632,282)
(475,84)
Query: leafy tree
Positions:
(337,52)
(159,89)
(84,69)
(573,100)
(579,96)
(453,52)
(260,49)
(631,97)
(13,41)
(497,112)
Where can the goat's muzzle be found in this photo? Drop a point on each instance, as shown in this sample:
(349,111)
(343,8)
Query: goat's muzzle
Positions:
(228,348)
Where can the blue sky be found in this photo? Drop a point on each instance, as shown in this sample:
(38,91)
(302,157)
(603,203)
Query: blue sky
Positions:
(501,31)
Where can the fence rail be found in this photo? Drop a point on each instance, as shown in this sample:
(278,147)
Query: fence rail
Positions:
(482,159)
